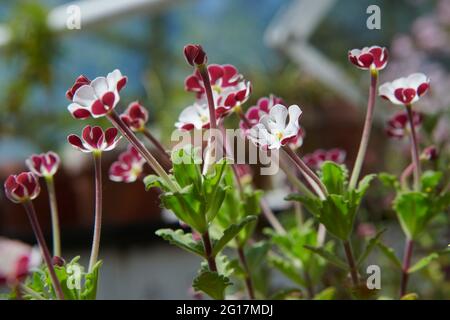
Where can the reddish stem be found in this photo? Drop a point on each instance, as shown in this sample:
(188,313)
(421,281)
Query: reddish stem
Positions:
(414,149)
(29,208)
(406,263)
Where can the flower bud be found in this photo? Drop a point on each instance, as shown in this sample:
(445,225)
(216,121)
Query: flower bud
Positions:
(22,187)
(194,54)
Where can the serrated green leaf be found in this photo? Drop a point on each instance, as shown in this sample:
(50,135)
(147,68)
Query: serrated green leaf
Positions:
(389,180)
(414,210)
(328,256)
(334,177)
(390,254)
(182,240)
(91,283)
(211,283)
(230,233)
(287,269)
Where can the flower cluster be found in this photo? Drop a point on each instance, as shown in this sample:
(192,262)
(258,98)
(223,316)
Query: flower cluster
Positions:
(398,126)
(317,158)
(128,167)
(229,90)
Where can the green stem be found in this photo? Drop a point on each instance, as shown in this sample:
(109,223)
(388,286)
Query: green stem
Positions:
(29,208)
(98,210)
(248,278)
(131,137)
(414,148)
(54,214)
(366,131)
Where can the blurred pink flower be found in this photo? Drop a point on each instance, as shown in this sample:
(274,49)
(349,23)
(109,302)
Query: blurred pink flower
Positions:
(22,187)
(128,167)
(44,164)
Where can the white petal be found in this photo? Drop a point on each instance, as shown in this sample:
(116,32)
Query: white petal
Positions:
(416,79)
(387,90)
(113,78)
(100,86)
(85,96)
(279,114)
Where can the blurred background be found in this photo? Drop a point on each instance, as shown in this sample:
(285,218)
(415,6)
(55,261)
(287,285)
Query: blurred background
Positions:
(295,49)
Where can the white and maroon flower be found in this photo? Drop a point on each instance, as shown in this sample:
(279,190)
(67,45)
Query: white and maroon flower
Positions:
(22,187)
(369,57)
(277,128)
(97,97)
(80,81)
(94,139)
(18,259)
(314,160)
(128,167)
(398,125)
(254,113)
(228,87)
(44,164)
(405,91)
(195,116)
(429,153)
(135,116)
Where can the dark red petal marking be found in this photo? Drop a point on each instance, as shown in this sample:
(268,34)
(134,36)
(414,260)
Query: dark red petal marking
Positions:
(108,99)
(121,83)
(110,135)
(365,60)
(422,88)
(98,108)
(81,113)
(74,140)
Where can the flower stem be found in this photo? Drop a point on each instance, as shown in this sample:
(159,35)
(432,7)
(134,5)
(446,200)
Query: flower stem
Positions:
(203,70)
(351,262)
(98,210)
(54,213)
(405,175)
(406,263)
(248,278)
(208,252)
(414,149)
(366,131)
(130,136)
(270,216)
(29,208)
(310,176)
(164,156)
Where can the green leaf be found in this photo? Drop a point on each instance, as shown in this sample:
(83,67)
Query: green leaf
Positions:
(338,215)
(328,256)
(334,177)
(182,240)
(91,283)
(389,180)
(430,180)
(287,269)
(326,294)
(422,263)
(364,184)
(390,254)
(369,247)
(414,210)
(230,233)
(212,284)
